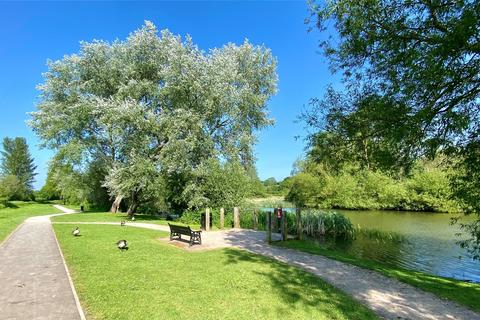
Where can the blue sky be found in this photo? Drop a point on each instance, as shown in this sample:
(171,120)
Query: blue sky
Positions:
(32,32)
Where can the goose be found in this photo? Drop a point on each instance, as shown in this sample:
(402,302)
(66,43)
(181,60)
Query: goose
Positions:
(133,218)
(76,232)
(122,244)
(122,223)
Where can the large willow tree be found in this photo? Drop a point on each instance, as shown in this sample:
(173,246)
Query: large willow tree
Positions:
(153,107)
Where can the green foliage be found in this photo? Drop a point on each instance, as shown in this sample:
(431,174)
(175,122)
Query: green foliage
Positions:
(422,56)
(427,189)
(50,190)
(381,236)
(466,184)
(361,128)
(423,53)
(318,223)
(148,111)
(304,190)
(17,161)
(272,187)
(190,217)
(216,185)
(315,223)
(11,188)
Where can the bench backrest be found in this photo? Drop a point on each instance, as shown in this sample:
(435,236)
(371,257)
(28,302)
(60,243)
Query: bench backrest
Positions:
(180,229)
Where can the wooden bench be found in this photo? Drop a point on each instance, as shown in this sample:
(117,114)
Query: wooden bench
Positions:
(177,231)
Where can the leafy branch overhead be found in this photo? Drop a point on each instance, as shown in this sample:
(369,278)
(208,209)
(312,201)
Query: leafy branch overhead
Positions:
(411,71)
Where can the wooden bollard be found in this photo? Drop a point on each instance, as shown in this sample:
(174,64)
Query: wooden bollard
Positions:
(298,213)
(275,225)
(222,218)
(255,219)
(269,226)
(207,219)
(236,217)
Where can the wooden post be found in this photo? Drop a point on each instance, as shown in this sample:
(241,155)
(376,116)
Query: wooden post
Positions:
(222,218)
(207,219)
(275,226)
(269,226)
(298,213)
(255,219)
(236,218)
(284,226)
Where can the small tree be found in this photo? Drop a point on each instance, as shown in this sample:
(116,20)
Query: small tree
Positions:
(10,188)
(17,162)
(216,184)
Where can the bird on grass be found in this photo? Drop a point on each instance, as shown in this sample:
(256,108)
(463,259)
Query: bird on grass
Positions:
(133,218)
(122,223)
(76,232)
(122,245)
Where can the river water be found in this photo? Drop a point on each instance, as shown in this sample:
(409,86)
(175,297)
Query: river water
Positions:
(429,243)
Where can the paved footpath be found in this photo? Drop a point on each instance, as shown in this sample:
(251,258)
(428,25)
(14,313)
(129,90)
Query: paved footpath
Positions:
(389,298)
(34,283)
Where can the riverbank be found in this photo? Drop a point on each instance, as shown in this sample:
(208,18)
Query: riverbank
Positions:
(461,292)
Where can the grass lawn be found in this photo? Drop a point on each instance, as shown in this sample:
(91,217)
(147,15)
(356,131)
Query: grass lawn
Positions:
(155,280)
(117,217)
(462,292)
(18,211)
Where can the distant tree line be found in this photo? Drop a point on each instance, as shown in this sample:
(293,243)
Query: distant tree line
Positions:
(426,188)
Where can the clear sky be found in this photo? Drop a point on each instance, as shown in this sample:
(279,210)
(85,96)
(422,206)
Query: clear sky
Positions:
(32,32)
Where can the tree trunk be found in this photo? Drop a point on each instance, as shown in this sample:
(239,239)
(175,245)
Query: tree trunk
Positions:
(132,208)
(116,204)
(133,205)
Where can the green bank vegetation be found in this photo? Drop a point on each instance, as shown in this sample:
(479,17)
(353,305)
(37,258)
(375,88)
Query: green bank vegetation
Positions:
(425,188)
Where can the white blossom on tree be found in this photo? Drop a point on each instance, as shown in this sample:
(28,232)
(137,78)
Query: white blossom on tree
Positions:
(154,104)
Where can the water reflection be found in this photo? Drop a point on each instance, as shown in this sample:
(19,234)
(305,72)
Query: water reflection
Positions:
(430,244)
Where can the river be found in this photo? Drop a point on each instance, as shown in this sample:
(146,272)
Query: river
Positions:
(430,244)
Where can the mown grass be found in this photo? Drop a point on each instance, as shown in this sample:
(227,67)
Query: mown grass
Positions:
(108,217)
(155,280)
(117,217)
(17,211)
(459,291)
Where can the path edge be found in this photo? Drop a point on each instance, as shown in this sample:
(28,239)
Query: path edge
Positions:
(11,234)
(72,286)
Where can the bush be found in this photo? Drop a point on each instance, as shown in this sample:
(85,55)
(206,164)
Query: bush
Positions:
(315,223)
(318,223)
(194,217)
(12,189)
(427,189)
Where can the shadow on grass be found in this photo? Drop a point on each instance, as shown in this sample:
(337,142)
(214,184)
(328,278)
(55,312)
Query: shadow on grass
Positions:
(300,289)
(10,205)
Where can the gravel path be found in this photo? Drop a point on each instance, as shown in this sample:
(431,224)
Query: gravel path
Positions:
(34,281)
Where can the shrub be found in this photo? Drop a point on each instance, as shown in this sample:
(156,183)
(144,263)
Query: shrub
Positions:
(319,223)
